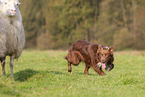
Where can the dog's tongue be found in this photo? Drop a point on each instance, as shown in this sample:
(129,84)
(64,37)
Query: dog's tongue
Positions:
(103,65)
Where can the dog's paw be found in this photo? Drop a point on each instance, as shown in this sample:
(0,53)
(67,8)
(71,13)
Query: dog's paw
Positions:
(99,65)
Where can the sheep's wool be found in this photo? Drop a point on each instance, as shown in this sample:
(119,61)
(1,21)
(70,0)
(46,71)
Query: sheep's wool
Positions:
(12,37)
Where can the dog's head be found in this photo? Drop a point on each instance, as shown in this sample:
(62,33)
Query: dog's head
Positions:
(105,55)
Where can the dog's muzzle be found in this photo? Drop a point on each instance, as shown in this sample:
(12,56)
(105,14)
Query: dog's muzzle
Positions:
(107,68)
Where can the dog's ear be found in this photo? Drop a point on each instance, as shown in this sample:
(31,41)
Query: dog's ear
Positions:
(111,49)
(99,48)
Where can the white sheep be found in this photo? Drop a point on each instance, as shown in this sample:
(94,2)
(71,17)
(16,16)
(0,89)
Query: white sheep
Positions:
(12,37)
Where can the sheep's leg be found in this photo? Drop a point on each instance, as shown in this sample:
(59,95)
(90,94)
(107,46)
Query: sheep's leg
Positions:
(3,62)
(11,64)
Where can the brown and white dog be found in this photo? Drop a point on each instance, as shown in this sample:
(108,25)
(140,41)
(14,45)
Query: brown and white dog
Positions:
(94,55)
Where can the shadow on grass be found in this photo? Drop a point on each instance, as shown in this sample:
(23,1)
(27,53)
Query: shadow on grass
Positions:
(24,75)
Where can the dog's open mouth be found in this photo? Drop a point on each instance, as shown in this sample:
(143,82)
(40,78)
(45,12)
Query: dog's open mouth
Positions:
(101,65)
(104,66)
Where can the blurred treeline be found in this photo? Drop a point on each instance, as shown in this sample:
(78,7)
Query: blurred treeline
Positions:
(56,24)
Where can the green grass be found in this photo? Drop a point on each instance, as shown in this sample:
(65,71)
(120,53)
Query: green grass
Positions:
(44,74)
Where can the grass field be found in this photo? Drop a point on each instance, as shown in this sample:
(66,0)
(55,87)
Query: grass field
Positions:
(44,74)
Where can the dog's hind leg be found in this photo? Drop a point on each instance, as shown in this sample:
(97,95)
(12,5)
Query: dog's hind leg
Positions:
(69,58)
(74,59)
(69,67)
(78,55)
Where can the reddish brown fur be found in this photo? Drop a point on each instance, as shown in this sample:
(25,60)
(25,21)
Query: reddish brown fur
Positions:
(106,54)
(91,54)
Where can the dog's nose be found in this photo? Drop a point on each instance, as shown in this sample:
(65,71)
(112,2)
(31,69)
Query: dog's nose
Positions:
(103,61)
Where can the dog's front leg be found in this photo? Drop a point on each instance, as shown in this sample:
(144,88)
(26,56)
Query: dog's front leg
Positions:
(100,72)
(87,69)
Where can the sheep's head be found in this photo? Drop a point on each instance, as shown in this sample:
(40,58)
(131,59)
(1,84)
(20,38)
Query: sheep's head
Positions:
(9,7)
